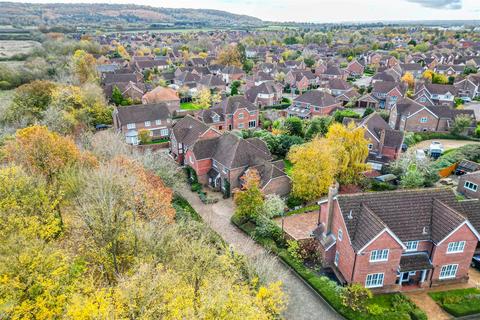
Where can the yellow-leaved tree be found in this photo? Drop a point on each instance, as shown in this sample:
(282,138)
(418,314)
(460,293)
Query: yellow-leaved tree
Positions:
(314,168)
(350,149)
(409,79)
(85,66)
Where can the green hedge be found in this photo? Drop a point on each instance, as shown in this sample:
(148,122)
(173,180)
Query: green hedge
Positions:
(388,306)
(460,302)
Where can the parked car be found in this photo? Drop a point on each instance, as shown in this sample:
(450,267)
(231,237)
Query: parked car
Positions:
(435,150)
(476,261)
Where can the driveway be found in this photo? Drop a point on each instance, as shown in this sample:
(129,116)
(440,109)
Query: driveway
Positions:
(447,144)
(303,302)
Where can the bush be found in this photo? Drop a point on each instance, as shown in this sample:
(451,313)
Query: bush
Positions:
(266,228)
(417,314)
(355,296)
(293,248)
(381,186)
(293,202)
(196,187)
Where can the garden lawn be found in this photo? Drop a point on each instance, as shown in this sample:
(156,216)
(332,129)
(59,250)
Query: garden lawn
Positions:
(460,302)
(189,106)
(381,307)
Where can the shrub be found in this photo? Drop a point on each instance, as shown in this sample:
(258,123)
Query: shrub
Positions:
(355,296)
(266,228)
(293,202)
(375,310)
(293,249)
(196,187)
(417,314)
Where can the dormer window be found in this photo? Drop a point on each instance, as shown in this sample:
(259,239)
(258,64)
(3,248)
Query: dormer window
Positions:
(148,123)
(411,246)
(158,122)
(216,118)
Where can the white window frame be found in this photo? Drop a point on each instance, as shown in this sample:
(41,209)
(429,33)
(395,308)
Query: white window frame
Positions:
(164,132)
(131,126)
(340,234)
(374,280)
(423,120)
(448,271)
(471,186)
(252,124)
(241,116)
(148,123)
(379,255)
(337,258)
(240,126)
(456,247)
(370,146)
(158,122)
(411,245)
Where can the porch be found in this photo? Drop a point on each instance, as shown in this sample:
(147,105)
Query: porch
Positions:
(413,271)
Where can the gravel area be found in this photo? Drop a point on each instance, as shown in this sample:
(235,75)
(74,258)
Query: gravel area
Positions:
(303,302)
(447,144)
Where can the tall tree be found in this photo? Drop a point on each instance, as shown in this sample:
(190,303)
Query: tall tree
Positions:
(314,168)
(84,66)
(350,149)
(230,56)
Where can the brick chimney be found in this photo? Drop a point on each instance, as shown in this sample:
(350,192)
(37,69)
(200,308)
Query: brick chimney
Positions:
(332,193)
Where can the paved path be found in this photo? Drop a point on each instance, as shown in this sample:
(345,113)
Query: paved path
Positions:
(304,303)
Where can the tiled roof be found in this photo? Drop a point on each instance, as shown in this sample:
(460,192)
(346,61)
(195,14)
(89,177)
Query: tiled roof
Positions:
(143,112)
(422,214)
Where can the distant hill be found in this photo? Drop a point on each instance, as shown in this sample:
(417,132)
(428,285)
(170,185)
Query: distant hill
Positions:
(116,16)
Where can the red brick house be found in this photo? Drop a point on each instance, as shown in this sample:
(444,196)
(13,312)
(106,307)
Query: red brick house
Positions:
(390,240)
(409,115)
(313,103)
(233,113)
(387,93)
(355,68)
(265,94)
(385,143)
(300,79)
(129,120)
(221,161)
(185,133)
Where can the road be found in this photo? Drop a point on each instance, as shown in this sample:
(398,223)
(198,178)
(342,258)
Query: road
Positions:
(304,303)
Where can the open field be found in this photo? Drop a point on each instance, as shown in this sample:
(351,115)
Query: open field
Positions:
(9,48)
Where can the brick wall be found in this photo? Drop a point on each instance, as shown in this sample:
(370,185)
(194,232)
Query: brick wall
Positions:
(440,256)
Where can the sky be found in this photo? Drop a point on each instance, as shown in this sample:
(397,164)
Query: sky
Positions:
(323,10)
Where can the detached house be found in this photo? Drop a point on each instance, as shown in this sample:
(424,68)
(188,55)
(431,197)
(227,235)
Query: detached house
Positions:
(266,94)
(130,120)
(230,74)
(435,94)
(391,240)
(409,115)
(313,103)
(185,133)
(468,88)
(385,143)
(387,93)
(233,113)
(221,161)
(355,69)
